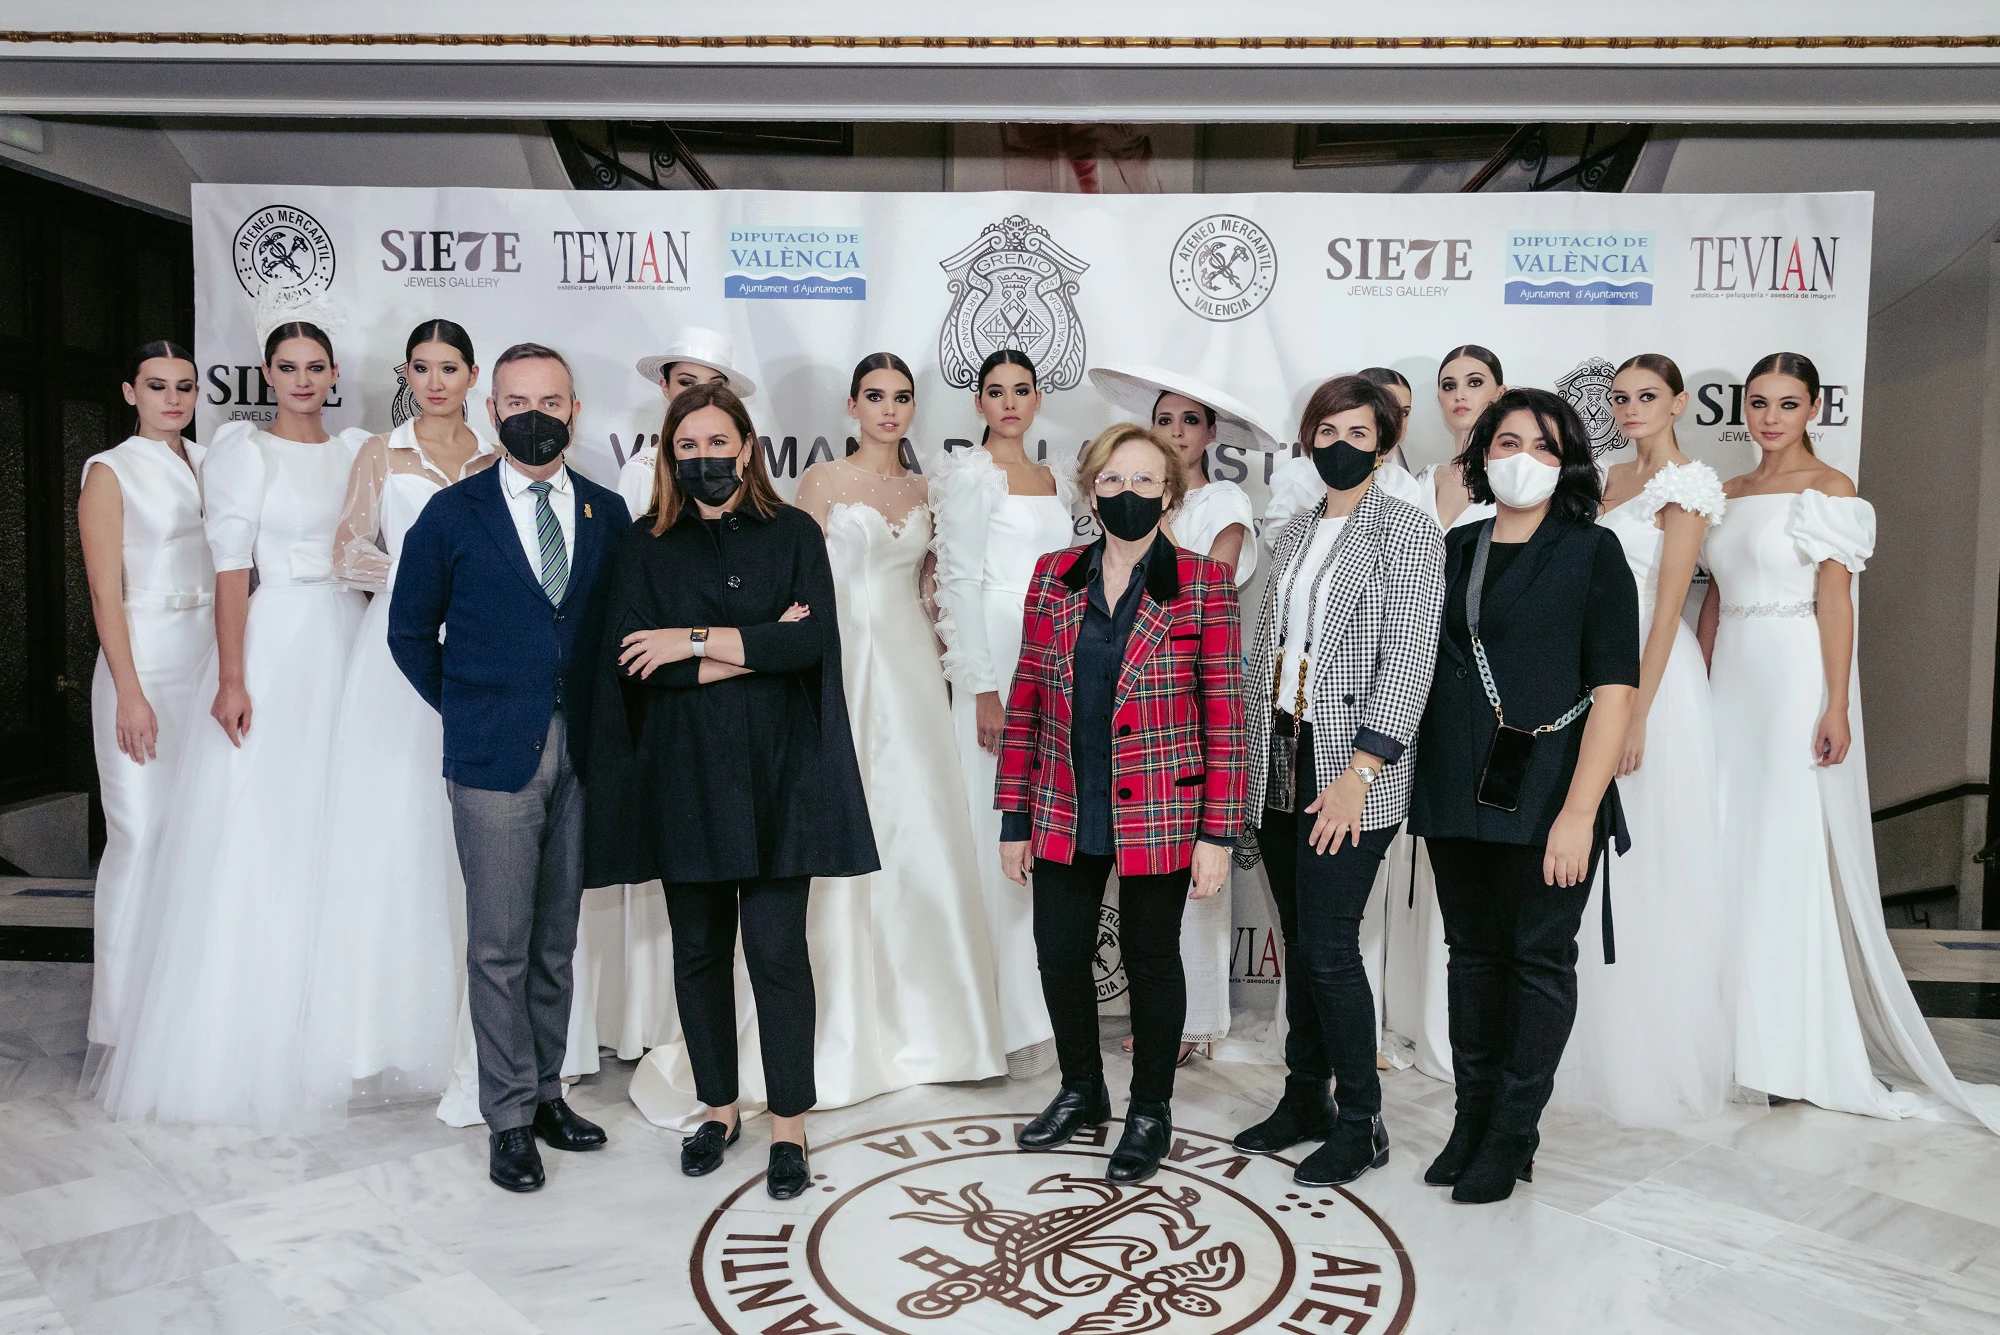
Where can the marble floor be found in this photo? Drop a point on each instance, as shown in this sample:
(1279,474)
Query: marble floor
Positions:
(1760,1220)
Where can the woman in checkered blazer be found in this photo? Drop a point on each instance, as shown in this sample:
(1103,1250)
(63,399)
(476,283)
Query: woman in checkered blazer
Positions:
(1339,668)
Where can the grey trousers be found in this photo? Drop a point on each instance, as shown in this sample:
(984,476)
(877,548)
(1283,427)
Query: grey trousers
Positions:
(522,855)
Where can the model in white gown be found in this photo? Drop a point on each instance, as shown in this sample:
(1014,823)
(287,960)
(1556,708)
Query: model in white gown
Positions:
(167,602)
(212,1032)
(1823,1012)
(987,543)
(1653,1040)
(388,963)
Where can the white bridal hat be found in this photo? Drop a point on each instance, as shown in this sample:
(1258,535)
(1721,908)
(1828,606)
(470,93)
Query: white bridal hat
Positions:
(703,346)
(1135,388)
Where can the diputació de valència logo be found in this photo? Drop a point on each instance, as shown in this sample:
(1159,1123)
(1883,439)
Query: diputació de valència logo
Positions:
(1554,267)
(796,264)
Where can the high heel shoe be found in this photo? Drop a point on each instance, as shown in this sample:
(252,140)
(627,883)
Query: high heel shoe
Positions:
(1466,1132)
(1503,1159)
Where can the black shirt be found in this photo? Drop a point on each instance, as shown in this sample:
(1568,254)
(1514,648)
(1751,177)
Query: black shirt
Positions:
(1611,643)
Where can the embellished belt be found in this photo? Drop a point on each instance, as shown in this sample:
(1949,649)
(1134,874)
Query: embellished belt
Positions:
(173,602)
(1741,611)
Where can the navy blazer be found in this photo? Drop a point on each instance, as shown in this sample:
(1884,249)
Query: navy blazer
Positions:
(507,656)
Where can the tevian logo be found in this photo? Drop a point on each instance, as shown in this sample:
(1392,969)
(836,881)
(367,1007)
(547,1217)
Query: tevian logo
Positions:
(943,1225)
(283,247)
(647,261)
(1764,266)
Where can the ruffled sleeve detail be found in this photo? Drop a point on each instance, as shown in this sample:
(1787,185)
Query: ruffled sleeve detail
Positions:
(232,480)
(1225,504)
(1832,528)
(353,438)
(965,490)
(1692,486)
(1295,488)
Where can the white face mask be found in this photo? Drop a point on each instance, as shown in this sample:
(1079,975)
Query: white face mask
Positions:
(1521,480)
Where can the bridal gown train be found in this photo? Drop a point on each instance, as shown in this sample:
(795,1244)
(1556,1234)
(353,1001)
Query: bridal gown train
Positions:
(1653,1040)
(212,1031)
(389,958)
(169,596)
(1823,1012)
(902,969)
(987,543)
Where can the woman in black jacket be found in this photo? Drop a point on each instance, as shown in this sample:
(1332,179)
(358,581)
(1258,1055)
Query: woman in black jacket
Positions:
(721,761)
(1538,670)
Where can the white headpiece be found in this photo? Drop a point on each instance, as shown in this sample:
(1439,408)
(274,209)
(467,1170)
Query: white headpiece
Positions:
(277,306)
(1135,388)
(704,347)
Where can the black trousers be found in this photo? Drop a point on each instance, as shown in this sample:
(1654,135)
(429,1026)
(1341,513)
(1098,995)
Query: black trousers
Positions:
(773,913)
(1328,1004)
(1068,897)
(1511,976)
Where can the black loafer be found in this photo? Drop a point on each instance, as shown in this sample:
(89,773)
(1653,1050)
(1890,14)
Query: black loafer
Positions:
(1355,1147)
(701,1153)
(788,1175)
(512,1161)
(1069,1112)
(1306,1112)
(1149,1129)
(564,1130)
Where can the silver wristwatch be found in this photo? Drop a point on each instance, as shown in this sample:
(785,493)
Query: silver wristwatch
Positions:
(1368,774)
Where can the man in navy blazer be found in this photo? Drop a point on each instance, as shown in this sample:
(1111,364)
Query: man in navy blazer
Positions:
(496,618)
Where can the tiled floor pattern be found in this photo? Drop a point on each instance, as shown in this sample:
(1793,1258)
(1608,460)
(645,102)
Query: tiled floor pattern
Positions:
(1762,1220)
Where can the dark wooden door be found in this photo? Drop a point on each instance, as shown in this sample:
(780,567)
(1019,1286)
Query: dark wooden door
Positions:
(83,280)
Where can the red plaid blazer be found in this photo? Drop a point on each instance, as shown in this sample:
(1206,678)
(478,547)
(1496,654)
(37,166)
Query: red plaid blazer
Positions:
(1177,749)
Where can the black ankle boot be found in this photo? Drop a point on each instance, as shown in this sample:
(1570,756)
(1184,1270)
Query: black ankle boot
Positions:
(1073,1108)
(1355,1147)
(1503,1159)
(1466,1133)
(1149,1129)
(1306,1112)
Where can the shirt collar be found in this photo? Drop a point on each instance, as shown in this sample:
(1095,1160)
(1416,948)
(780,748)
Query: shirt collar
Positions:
(516,483)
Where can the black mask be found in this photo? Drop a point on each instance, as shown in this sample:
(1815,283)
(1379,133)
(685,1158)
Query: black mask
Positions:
(710,480)
(1342,466)
(1130,516)
(533,437)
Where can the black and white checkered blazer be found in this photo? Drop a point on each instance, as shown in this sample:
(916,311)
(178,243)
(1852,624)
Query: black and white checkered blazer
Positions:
(1374,650)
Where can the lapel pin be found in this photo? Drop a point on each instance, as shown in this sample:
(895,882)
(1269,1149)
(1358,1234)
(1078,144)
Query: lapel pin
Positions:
(586,509)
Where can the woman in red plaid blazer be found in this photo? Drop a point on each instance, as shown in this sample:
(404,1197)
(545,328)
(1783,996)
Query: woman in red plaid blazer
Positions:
(1123,750)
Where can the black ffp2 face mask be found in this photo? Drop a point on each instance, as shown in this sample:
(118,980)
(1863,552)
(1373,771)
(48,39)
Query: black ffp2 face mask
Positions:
(708,479)
(1129,516)
(1343,466)
(534,437)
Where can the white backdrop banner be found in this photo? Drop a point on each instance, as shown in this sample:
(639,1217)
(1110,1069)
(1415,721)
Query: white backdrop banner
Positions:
(1265,295)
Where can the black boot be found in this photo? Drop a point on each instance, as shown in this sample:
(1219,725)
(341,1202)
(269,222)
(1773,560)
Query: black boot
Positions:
(1355,1147)
(512,1161)
(1503,1159)
(1305,1113)
(1149,1130)
(1072,1109)
(1466,1132)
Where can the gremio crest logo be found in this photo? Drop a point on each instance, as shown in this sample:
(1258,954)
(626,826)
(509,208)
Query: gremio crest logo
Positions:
(1013,287)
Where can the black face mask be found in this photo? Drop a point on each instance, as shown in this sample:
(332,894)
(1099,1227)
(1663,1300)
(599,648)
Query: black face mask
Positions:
(533,437)
(712,481)
(1342,466)
(1130,516)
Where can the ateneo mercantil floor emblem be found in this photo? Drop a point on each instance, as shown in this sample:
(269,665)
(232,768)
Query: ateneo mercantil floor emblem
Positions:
(943,1226)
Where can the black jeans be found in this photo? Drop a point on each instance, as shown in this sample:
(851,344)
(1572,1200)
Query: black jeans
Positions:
(1068,897)
(773,912)
(1511,977)
(1328,1003)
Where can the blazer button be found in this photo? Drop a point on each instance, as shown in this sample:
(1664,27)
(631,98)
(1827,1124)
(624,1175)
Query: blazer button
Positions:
(1461,674)
(1124,730)
(1125,794)
(735,523)
(1347,699)
(538,746)
(734,581)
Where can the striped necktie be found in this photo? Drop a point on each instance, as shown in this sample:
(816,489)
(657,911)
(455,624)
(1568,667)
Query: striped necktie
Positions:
(548,536)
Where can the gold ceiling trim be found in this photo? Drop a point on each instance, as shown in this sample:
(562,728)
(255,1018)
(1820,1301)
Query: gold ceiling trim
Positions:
(1952,42)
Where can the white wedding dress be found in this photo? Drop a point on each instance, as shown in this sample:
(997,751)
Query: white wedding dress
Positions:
(987,543)
(169,586)
(389,957)
(1823,1012)
(1653,1042)
(213,1030)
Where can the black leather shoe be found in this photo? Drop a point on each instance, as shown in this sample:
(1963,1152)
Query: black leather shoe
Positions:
(1068,1112)
(788,1175)
(1503,1159)
(1467,1130)
(564,1130)
(1149,1130)
(1354,1148)
(512,1160)
(1305,1113)
(701,1153)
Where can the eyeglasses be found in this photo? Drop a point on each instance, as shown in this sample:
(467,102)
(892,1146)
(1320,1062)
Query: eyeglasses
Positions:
(1141,484)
